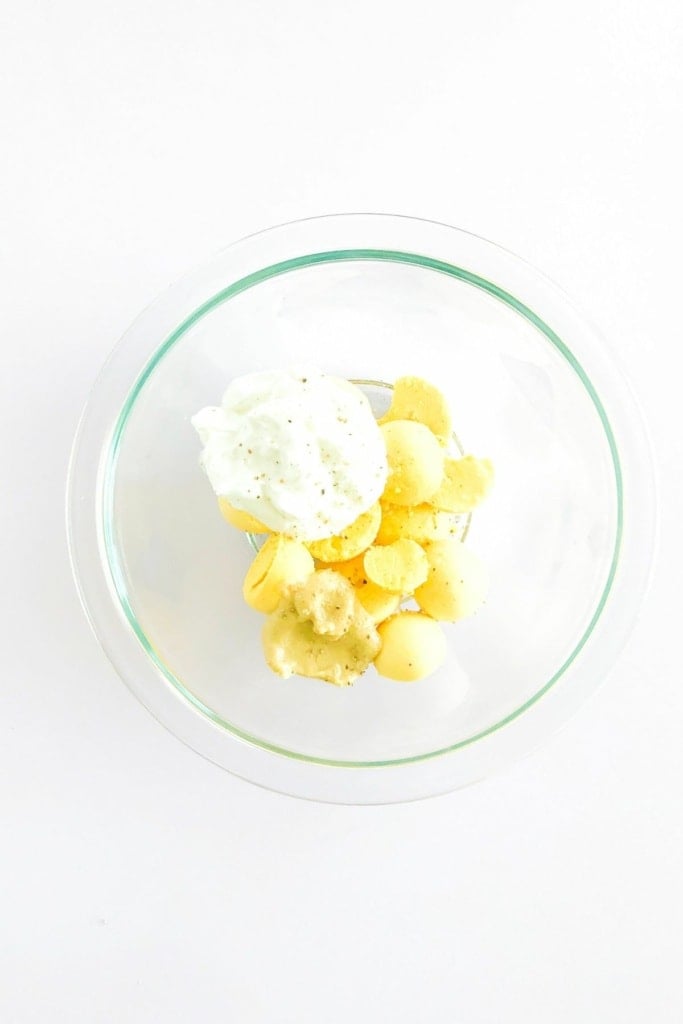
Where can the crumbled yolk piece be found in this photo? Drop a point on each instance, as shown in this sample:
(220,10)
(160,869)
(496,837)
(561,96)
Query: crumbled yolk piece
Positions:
(422,523)
(242,520)
(465,484)
(418,400)
(320,630)
(351,541)
(400,567)
(457,583)
(416,462)
(327,601)
(353,569)
(280,561)
(378,603)
(413,646)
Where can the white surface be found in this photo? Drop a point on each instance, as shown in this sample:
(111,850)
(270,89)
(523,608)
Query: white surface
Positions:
(138,882)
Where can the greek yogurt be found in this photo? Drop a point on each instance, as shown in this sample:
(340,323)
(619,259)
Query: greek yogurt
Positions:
(299,450)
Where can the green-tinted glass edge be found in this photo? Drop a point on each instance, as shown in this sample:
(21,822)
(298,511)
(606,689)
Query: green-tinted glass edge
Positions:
(249,281)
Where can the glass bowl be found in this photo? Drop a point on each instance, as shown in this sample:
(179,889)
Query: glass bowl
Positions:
(567,532)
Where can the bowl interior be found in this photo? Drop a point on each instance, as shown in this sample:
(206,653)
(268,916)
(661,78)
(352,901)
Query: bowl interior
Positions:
(549,531)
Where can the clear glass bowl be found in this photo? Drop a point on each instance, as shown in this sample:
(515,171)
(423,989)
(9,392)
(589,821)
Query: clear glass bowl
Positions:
(567,532)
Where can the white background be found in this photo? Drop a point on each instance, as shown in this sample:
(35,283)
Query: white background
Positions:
(139,883)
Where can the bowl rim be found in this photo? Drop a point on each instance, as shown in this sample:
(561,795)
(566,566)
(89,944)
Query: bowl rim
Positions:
(115,564)
(83,475)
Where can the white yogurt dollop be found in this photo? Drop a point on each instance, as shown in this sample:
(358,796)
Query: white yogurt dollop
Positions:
(298,449)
